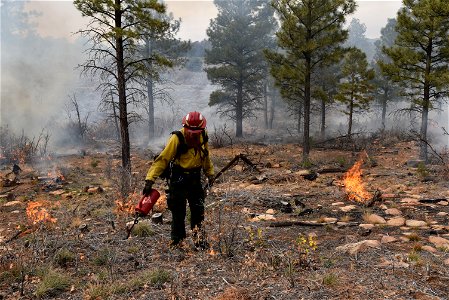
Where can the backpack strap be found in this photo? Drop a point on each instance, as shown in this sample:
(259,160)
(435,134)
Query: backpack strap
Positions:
(182,148)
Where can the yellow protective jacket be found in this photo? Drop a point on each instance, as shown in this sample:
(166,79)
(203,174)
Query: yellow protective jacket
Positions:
(188,160)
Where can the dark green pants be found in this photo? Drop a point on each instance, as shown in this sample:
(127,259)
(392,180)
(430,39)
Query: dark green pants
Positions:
(185,186)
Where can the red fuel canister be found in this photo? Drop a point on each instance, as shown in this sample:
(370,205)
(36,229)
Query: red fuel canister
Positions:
(146,203)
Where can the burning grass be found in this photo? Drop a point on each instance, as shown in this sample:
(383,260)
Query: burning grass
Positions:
(354,185)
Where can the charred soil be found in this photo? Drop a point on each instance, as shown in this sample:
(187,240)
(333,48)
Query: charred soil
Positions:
(284,231)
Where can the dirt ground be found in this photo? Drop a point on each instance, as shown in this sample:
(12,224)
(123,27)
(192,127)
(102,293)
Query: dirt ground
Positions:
(275,232)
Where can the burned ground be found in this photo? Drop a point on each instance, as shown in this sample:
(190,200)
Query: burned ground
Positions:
(273,234)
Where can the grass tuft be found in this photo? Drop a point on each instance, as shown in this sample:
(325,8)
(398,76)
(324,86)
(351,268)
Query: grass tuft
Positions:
(52,284)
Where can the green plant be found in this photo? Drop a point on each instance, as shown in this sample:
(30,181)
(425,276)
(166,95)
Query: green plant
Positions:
(94,163)
(255,238)
(414,257)
(306,164)
(63,257)
(52,284)
(422,170)
(103,257)
(341,161)
(98,291)
(413,237)
(330,279)
(158,277)
(142,229)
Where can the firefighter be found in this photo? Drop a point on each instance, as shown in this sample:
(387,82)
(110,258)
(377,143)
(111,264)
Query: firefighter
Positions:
(187,154)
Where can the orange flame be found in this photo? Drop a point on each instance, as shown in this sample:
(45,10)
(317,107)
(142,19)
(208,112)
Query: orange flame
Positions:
(126,205)
(37,213)
(56,174)
(354,186)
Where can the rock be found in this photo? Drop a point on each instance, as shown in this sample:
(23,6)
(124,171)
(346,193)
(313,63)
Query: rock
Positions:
(354,248)
(393,212)
(442,214)
(57,192)
(263,217)
(397,221)
(398,264)
(439,242)
(270,211)
(338,204)
(415,223)
(95,190)
(443,203)
(329,220)
(11,206)
(347,208)
(410,201)
(429,249)
(366,226)
(375,219)
(446,262)
(387,239)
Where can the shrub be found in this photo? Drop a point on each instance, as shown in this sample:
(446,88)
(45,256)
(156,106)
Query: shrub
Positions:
(143,229)
(52,284)
(63,257)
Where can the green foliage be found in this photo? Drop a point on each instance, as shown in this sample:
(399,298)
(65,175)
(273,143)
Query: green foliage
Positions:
(330,279)
(311,37)
(420,57)
(422,170)
(158,277)
(64,257)
(94,163)
(235,60)
(355,89)
(52,284)
(103,257)
(142,229)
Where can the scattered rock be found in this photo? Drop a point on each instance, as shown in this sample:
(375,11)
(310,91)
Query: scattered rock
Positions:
(415,223)
(366,226)
(347,208)
(393,212)
(375,219)
(354,248)
(270,211)
(387,239)
(446,262)
(442,214)
(410,201)
(11,206)
(429,249)
(439,242)
(397,221)
(338,204)
(328,220)
(95,190)
(263,217)
(57,192)
(443,203)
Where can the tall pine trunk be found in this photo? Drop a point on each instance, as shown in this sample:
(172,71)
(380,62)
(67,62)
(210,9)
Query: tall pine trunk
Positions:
(323,119)
(351,111)
(265,104)
(306,141)
(384,109)
(272,109)
(150,93)
(123,111)
(239,111)
(425,105)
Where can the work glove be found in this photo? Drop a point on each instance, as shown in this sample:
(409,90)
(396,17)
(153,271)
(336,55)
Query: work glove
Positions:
(148,187)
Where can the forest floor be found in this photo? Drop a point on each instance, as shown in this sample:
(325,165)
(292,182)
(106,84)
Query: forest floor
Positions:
(273,233)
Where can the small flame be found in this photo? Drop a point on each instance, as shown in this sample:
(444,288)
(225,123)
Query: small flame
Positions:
(56,174)
(354,186)
(37,213)
(126,205)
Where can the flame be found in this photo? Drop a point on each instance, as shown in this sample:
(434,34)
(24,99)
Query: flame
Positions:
(56,174)
(126,205)
(354,186)
(37,213)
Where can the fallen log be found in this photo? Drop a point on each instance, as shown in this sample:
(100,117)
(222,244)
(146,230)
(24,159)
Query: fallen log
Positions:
(436,200)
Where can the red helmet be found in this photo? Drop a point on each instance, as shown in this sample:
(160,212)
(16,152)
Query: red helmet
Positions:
(194,122)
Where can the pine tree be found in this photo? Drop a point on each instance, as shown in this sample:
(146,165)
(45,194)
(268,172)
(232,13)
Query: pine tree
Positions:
(311,36)
(355,89)
(384,88)
(235,61)
(420,57)
(114,31)
(116,27)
